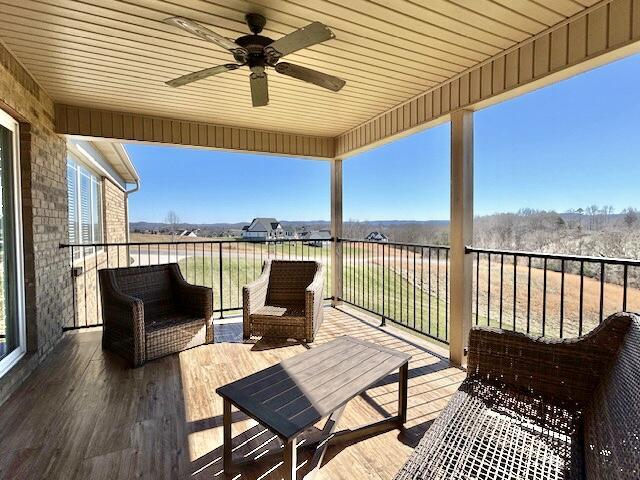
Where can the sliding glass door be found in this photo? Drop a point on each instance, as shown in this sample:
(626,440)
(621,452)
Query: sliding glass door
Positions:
(12,327)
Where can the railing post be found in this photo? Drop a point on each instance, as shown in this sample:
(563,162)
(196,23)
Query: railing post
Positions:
(336,231)
(461,234)
(383,322)
(221,278)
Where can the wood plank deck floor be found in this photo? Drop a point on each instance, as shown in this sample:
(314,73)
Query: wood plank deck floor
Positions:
(83,414)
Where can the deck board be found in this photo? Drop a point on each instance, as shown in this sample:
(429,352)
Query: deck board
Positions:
(84,414)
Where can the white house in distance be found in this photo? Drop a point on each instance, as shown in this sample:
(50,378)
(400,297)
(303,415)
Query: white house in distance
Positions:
(189,233)
(377,237)
(261,229)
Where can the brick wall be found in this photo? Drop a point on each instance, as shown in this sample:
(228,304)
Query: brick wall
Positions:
(115,213)
(44,207)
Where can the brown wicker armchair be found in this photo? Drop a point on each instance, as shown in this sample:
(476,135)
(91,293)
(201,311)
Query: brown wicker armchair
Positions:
(537,408)
(149,312)
(285,301)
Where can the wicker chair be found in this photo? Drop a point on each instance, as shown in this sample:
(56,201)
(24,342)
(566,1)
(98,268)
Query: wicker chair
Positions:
(536,408)
(149,312)
(285,301)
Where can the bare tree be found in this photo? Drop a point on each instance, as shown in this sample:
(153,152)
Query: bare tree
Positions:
(607,210)
(354,228)
(172,220)
(592,211)
(630,217)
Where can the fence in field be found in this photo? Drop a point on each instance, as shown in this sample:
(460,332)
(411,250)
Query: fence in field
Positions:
(407,284)
(224,266)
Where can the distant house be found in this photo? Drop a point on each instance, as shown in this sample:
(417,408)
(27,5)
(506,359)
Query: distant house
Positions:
(189,233)
(377,237)
(261,229)
(315,238)
(290,234)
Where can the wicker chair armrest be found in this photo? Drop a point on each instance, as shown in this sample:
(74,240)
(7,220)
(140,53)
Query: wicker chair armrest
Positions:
(119,309)
(564,372)
(314,292)
(317,283)
(254,294)
(196,299)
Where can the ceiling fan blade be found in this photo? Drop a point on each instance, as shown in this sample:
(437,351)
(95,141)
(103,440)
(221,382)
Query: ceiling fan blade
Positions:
(198,30)
(259,87)
(323,80)
(304,37)
(202,74)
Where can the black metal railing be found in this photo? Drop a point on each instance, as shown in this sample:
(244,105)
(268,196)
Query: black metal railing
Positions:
(225,266)
(552,295)
(405,283)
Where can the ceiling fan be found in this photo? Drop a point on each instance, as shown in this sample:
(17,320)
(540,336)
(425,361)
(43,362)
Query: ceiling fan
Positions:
(259,52)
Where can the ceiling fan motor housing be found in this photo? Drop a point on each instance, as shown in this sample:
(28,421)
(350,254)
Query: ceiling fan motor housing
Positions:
(254,44)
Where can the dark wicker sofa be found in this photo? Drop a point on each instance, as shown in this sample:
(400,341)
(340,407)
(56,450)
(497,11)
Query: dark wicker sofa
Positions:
(151,311)
(285,301)
(534,408)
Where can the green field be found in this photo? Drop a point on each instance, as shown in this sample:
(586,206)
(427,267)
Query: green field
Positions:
(369,287)
(362,284)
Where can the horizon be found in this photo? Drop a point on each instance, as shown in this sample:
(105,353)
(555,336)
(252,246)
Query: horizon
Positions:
(390,220)
(565,147)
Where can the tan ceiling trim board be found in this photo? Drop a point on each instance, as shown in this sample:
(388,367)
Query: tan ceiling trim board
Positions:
(123,126)
(566,49)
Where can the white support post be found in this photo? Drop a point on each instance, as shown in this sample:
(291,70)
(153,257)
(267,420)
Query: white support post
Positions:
(461,234)
(336,230)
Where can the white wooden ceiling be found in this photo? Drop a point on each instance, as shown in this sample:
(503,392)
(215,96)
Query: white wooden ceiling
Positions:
(116,55)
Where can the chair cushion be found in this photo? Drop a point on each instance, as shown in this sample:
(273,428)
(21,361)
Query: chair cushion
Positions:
(274,321)
(612,421)
(169,318)
(488,433)
(273,311)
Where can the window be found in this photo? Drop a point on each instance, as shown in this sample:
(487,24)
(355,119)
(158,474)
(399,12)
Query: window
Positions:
(12,323)
(84,193)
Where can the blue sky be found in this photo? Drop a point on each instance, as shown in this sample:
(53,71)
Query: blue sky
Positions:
(570,145)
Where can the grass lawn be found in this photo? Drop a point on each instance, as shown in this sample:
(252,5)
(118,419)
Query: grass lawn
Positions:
(362,284)
(424,307)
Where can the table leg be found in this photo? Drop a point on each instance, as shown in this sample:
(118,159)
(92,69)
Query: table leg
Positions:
(327,432)
(403,385)
(290,459)
(227,448)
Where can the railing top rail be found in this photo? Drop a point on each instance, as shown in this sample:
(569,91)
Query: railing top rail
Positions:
(194,242)
(556,256)
(419,245)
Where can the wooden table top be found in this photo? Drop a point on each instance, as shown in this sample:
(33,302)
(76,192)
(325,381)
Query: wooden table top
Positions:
(293,395)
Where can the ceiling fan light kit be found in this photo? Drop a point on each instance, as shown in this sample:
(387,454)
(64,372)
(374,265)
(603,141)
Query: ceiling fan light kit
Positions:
(258,53)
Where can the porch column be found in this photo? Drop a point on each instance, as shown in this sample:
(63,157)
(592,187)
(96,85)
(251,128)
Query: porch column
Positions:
(336,230)
(461,234)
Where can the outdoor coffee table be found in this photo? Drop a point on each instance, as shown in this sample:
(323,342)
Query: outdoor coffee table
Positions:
(290,397)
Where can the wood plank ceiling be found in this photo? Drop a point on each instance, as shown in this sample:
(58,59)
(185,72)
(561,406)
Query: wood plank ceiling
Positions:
(116,55)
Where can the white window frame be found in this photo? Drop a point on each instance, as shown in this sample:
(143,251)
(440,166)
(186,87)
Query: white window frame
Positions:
(10,360)
(80,169)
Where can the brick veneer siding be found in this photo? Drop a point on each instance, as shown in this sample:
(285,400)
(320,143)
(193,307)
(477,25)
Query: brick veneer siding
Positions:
(48,291)
(115,213)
